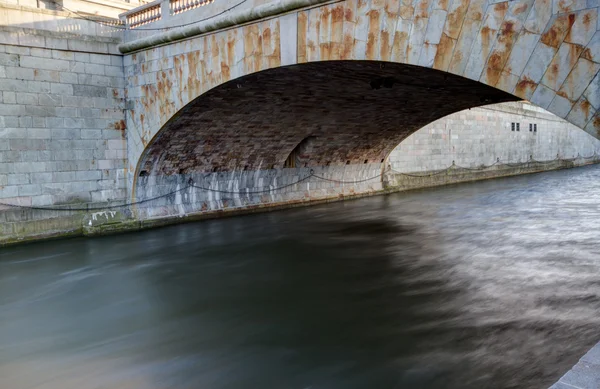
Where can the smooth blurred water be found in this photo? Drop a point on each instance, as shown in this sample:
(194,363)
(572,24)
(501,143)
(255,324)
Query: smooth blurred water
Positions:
(492,284)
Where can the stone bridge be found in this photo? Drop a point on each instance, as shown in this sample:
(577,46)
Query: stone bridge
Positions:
(343,81)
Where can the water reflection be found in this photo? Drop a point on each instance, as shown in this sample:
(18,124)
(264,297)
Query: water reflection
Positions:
(486,285)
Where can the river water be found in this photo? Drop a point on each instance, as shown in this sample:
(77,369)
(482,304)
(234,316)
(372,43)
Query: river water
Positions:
(492,284)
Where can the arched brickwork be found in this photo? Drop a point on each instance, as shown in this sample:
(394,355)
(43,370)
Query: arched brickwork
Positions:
(357,112)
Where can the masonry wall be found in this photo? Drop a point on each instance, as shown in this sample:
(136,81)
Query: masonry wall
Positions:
(62,123)
(483,136)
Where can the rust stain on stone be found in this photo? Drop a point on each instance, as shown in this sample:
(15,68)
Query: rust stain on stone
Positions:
(552,73)
(337,24)
(596,124)
(385,51)
(406,12)
(556,33)
(372,37)
(325,51)
(493,69)
(443,4)
(520,9)
(486,37)
(392,7)
(455,19)
(349,15)
(423,10)
(120,125)
(587,54)
(443,56)
(525,88)
(302,32)
(506,32)
(399,47)
(501,7)
(585,107)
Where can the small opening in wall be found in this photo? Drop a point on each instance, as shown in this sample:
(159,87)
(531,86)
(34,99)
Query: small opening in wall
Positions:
(535,127)
(530,127)
(181,171)
(215,169)
(366,161)
(512,126)
(382,160)
(347,162)
(143,173)
(518,126)
(246,167)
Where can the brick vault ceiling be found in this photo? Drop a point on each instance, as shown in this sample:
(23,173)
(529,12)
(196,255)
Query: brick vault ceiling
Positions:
(356,111)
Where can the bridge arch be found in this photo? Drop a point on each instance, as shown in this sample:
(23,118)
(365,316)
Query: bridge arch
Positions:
(353,112)
(538,50)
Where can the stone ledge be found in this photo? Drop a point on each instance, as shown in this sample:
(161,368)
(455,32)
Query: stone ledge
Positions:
(218,23)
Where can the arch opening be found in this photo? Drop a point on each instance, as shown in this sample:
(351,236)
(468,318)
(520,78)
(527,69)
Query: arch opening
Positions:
(352,112)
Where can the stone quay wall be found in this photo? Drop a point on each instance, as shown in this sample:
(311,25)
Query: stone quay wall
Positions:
(484,136)
(62,128)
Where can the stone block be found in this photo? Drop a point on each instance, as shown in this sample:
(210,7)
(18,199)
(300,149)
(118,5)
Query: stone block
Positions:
(91,134)
(13,85)
(44,63)
(27,98)
(68,78)
(91,68)
(88,175)
(90,91)
(65,133)
(31,40)
(113,71)
(82,57)
(42,53)
(30,190)
(62,54)
(56,43)
(40,177)
(101,59)
(78,101)
(561,65)
(46,75)
(50,100)
(61,89)
(116,60)
(21,50)
(66,112)
(41,200)
(9,59)
(38,86)
(38,133)
(8,191)
(52,122)
(39,122)
(19,179)
(74,123)
(9,97)
(87,46)
(18,73)
(76,67)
